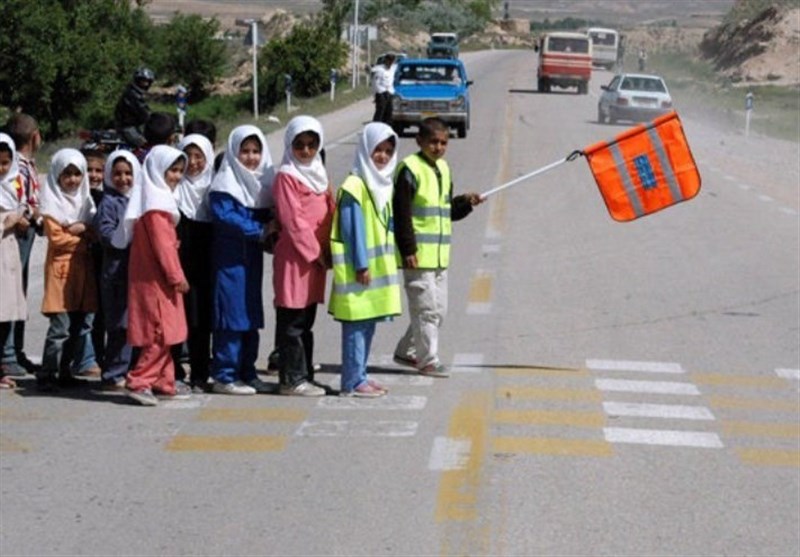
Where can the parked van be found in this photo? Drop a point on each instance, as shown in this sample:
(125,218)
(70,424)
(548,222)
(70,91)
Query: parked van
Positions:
(605,46)
(565,60)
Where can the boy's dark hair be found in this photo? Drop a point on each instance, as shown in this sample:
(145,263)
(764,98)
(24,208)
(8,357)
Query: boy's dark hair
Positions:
(93,154)
(205,128)
(5,148)
(430,126)
(159,128)
(21,127)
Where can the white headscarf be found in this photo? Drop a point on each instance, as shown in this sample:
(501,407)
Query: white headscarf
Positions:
(66,208)
(152,195)
(251,188)
(136,169)
(193,190)
(9,196)
(379,182)
(313,175)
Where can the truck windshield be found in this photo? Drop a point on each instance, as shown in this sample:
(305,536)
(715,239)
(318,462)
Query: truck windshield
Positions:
(428,74)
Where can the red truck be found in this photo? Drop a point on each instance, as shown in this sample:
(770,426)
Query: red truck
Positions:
(565,60)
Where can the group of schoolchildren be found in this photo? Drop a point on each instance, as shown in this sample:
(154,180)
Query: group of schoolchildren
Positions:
(156,258)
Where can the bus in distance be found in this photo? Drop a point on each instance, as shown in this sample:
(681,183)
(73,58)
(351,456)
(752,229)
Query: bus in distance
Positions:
(605,46)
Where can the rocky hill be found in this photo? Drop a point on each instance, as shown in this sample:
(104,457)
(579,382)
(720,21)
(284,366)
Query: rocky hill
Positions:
(761,47)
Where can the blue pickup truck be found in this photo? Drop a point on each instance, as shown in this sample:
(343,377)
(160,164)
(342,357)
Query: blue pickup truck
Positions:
(431,87)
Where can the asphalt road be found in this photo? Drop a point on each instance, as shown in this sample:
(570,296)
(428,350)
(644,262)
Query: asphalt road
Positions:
(617,389)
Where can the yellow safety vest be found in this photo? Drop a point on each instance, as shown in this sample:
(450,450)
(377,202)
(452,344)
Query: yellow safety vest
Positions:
(350,300)
(430,213)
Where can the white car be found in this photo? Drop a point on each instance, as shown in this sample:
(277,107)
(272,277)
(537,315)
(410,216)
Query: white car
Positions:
(636,97)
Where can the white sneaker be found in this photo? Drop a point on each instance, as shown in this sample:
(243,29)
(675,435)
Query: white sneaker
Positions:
(303,389)
(235,388)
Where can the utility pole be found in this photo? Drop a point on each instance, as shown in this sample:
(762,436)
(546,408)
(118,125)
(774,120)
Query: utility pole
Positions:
(253,23)
(355,46)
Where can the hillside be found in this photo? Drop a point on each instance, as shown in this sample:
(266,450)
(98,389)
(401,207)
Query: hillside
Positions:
(761,46)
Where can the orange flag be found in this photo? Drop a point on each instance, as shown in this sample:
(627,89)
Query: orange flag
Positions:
(644,169)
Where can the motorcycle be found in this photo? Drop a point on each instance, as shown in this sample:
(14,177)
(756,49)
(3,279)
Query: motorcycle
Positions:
(106,141)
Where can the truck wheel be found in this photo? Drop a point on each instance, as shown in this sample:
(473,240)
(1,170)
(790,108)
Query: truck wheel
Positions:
(583,88)
(612,118)
(461,130)
(398,129)
(600,116)
(543,85)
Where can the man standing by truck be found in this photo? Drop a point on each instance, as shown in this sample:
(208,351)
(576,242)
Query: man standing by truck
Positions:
(383,83)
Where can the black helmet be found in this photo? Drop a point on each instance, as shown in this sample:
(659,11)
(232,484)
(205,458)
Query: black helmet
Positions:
(144,74)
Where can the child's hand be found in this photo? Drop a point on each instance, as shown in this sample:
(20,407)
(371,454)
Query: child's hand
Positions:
(182,287)
(362,277)
(76,229)
(475,198)
(22,224)
(410,262)
(11,220)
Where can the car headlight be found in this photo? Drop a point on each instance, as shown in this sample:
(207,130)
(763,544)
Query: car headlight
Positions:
(460,102)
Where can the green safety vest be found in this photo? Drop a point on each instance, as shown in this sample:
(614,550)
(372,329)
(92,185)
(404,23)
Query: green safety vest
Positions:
(430,213)
(350,300)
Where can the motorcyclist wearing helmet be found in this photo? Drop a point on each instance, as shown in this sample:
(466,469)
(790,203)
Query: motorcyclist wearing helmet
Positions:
(132,111)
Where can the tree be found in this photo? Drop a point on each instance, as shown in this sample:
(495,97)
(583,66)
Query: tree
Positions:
(64,60)
(191,54)
(307,54)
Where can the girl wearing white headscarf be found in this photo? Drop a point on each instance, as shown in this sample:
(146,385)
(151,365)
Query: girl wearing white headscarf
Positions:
(239,203)
(122,175)
(194,233)
(304,205)
(156,318)
(365,285)
(13,306)
(70,289)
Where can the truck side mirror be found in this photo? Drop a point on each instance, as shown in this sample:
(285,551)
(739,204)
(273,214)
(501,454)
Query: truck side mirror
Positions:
(469,82)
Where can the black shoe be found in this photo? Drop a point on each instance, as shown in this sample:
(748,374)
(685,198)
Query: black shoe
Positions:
(273,361)
(28,365)
(69,382)
(47,385)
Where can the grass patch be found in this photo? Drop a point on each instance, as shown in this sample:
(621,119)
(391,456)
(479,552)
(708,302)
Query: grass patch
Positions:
(696,88)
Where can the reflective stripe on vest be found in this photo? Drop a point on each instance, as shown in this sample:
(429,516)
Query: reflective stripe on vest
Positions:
(351,300)
(644,169)
(430,212)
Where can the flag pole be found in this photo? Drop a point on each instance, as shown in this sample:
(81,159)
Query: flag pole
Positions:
(571,157)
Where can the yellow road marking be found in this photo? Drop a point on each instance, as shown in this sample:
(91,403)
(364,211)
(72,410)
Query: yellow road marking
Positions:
(457,499)
(770,457)
(542,393)
(546,446)
(724,379)
(761,429)
(717,401)
(10,446)
(549,417)
(208,443)
(252,415)
(480,290)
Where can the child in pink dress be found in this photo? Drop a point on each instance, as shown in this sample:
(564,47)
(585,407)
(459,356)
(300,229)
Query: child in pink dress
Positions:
(304,205)
(156,283)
